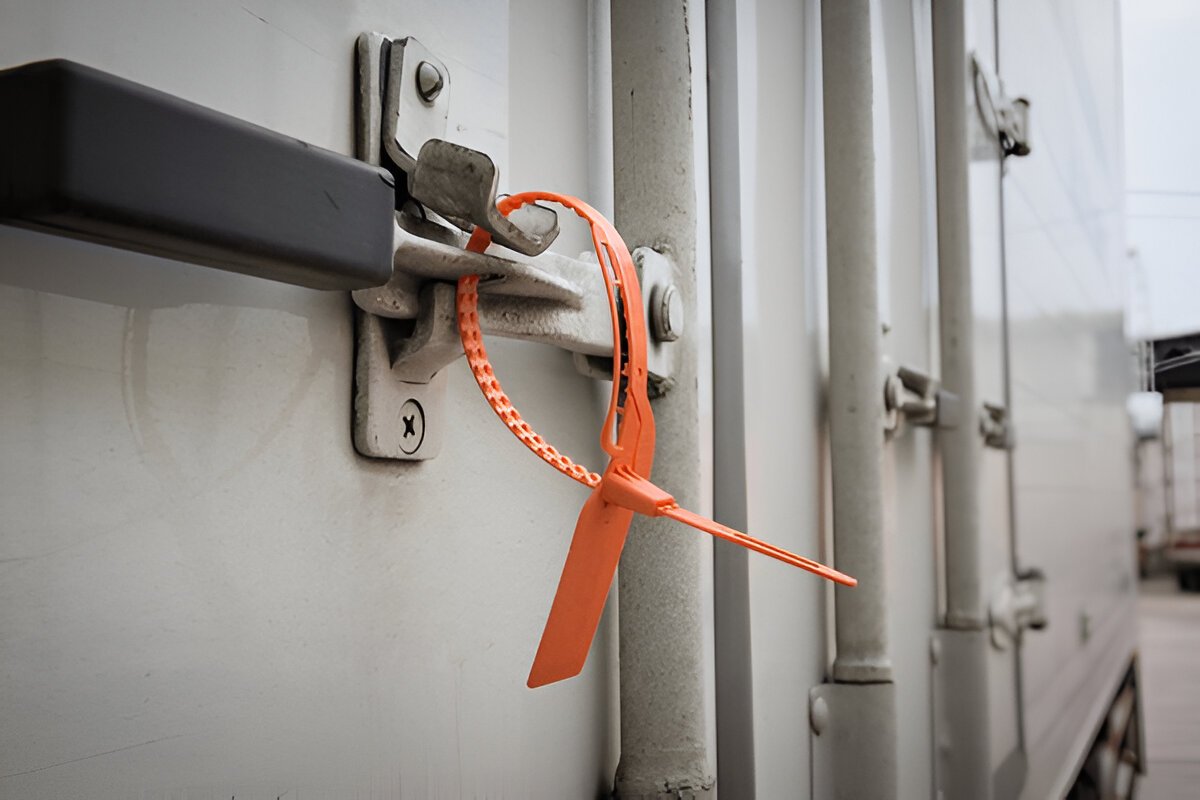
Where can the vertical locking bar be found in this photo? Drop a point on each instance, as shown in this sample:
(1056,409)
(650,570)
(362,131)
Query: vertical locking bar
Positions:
(666,682)
(862,699)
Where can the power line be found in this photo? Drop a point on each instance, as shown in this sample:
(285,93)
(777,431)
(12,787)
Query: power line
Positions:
(1178,192)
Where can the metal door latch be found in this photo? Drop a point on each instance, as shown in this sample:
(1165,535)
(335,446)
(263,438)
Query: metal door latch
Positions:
(915,398)
(996,427)
(407,328)
(1005,118)
(1018,604)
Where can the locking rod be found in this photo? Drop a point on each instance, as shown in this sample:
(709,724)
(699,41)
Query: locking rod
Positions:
(91,156)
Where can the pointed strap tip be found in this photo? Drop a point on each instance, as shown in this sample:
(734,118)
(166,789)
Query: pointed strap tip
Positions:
(543,676)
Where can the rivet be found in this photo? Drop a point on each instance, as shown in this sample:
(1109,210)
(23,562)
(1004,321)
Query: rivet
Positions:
(429,81)
(818,715)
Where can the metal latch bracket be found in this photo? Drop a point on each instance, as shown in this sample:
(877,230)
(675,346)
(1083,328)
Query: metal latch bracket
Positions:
(996,427)
(915,398)
(407,328)
(1017,604)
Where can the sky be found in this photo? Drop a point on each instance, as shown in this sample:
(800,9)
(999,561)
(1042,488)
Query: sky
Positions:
(1162,160)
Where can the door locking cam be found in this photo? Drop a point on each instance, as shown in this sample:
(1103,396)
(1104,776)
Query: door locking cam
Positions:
(915,398)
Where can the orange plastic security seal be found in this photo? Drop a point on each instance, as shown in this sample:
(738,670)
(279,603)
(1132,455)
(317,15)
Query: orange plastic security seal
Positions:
(627,437)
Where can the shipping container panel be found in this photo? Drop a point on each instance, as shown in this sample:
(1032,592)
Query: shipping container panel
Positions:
(1071,373)
(205,589)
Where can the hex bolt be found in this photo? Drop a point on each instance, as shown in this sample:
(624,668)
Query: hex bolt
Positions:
(666,313)
(429,81)
(818,715)
(412,427)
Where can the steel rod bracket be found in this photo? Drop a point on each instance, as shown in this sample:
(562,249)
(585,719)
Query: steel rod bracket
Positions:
(996,427)
(1018,604)
(915,398)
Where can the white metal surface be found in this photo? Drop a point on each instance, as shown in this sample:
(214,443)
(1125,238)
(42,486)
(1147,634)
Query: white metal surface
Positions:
(204,588)
(1071,372)
(205,592)
(783,297)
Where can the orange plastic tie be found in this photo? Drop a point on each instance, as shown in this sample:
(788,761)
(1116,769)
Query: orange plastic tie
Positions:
(627,437)
(467,307)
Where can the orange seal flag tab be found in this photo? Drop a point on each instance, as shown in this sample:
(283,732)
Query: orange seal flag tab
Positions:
(627,436)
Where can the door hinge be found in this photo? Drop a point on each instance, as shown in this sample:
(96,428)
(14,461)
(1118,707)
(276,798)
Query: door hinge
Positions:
(1005,118)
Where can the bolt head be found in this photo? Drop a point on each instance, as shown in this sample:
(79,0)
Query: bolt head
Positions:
(666,313)
(429,81)
(411,425)
(818,715)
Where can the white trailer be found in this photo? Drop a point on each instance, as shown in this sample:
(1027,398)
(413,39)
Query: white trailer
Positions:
(225,570)
(1178,477)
